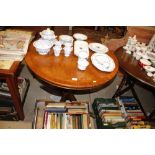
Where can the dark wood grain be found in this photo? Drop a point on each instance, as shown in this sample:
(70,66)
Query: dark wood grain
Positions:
(130,65)
(14,91)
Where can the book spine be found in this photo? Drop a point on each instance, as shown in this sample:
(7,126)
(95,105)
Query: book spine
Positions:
(45,119)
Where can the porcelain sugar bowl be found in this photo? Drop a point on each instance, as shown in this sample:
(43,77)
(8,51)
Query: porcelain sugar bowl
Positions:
(42,46)
(47,34)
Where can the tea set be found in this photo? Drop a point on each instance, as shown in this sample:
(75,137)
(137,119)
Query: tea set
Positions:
(49,40)
(143,54)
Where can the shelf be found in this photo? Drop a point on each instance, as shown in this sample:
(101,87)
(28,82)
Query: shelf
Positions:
(7,110)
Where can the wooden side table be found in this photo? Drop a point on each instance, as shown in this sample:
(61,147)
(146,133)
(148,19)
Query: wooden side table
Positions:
(11,79)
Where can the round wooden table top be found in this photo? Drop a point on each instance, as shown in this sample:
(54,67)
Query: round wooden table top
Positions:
(130,65)
(62,71)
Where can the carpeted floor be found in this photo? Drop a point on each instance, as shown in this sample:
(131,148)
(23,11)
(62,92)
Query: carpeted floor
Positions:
(35,92)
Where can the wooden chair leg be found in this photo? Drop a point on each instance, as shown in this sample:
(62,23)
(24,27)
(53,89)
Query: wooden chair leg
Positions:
(13,88)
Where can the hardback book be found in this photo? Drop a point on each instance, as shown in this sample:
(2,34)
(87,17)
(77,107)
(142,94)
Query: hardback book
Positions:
(76,105)
(77,111)
(85,121)
(110,112)
(4,110)
(56,105)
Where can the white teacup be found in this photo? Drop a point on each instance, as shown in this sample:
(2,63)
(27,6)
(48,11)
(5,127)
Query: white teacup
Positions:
(68,44)
(138,55)
(66,39)
(83,55)
(57,50)
(57,43)
(67,50)
(82,64)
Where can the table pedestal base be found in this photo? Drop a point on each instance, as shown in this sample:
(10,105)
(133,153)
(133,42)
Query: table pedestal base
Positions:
(65,95)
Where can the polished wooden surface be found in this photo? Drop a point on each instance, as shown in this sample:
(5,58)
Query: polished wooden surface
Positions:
(63,72)
(11,71)
(130,65)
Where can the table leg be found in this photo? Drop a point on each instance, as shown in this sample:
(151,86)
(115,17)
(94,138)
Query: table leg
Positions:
(129,86)
(136,97)
(67,96)
(119,90)
(153,111)
(13,88)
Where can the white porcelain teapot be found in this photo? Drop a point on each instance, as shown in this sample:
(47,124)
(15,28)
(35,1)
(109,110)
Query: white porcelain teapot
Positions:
(48,34)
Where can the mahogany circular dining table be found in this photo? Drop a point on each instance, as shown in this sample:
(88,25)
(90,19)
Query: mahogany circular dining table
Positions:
(134,73)
(131,66)
(63,72)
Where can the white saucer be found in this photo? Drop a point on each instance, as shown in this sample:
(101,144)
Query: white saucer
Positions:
(66,38)
(151,55)
(103,62)
(80,36)
(98,48)
(149,68)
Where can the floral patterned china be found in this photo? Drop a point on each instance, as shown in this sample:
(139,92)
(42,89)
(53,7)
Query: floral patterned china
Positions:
(98,48)
(80,36)
(42,46)
(103,62)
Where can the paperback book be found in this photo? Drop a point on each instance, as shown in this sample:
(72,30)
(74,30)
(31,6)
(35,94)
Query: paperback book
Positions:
(14,44)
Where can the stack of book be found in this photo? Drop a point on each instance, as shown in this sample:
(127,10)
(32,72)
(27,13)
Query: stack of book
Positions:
(123,112)
(109,114)
(131,108)
(22,85)
(134,116)
(14,44)
(7,111)
(139,125)
(72,115)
